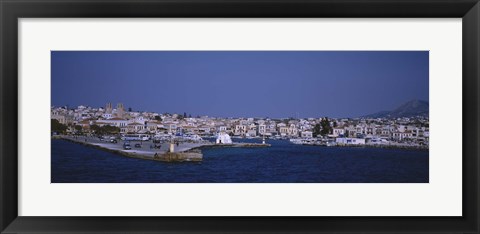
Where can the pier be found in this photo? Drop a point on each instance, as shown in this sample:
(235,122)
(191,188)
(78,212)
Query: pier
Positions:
(183,152)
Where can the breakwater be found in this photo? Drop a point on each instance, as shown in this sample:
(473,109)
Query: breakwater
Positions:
(140,154)
(183,152)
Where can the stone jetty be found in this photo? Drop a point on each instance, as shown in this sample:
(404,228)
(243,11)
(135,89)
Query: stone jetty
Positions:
(183,152)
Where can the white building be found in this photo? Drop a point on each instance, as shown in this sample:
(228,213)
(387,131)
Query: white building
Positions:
(117,122)
(223,138)
(262,129)
(338,131)
(307,134)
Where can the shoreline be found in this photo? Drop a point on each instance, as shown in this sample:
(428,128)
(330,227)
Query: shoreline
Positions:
(192,152)
(417,148)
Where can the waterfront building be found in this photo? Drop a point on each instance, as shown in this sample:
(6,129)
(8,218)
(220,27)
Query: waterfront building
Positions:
(262,129)
(283,131)
(190,129)
(240,130)
(152,125)
(204,130)
(338,132)
(223,138)
(407,134)
(135,127)
(307,134)
(272,128)
(117,122)
(292,130)
(251,133)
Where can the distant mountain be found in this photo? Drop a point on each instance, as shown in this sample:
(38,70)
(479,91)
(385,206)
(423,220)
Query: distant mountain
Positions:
(381,114)
(409,109)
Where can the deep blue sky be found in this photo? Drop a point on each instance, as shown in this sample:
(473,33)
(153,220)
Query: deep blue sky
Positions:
(272,84)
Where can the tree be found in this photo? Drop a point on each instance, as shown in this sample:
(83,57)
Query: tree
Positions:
(157,117)
(316,130)
(78,128)
(107,129)
(184,114)
(129,109)
(326,128)
(57,126)
(96,129)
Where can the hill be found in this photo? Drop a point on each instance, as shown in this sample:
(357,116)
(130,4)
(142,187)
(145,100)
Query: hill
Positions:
(410,109)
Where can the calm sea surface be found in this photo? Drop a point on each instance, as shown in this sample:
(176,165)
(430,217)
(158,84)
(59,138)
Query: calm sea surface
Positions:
(282,163)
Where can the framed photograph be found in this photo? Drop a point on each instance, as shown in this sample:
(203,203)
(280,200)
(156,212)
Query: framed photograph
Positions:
(254,116)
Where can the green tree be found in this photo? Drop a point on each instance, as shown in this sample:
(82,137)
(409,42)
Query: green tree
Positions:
(58,127)
(157,117)
(96,129)
(326,128)
(107,129)
(78,128)
(316,130)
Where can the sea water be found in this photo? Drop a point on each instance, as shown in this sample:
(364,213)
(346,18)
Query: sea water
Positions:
(283,162)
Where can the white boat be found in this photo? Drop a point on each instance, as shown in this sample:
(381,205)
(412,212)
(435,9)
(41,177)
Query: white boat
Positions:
(304,141)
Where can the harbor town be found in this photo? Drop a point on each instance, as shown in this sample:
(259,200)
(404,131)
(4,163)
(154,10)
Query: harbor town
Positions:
(179,137)
(240,116)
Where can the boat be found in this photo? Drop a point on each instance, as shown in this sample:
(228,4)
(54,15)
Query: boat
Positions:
(304,141)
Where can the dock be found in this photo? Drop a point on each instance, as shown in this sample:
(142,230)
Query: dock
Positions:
(183,152)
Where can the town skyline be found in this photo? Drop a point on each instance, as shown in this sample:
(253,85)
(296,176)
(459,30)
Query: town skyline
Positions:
(195,115)
(412,131)
(275,84)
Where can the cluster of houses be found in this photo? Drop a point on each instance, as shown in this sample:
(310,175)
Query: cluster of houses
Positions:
(345,131)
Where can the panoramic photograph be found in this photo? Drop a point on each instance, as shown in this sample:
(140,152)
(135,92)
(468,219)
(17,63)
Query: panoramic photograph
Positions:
(239,117)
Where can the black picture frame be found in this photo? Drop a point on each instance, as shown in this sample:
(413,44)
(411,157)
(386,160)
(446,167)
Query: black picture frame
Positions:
(11,11)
